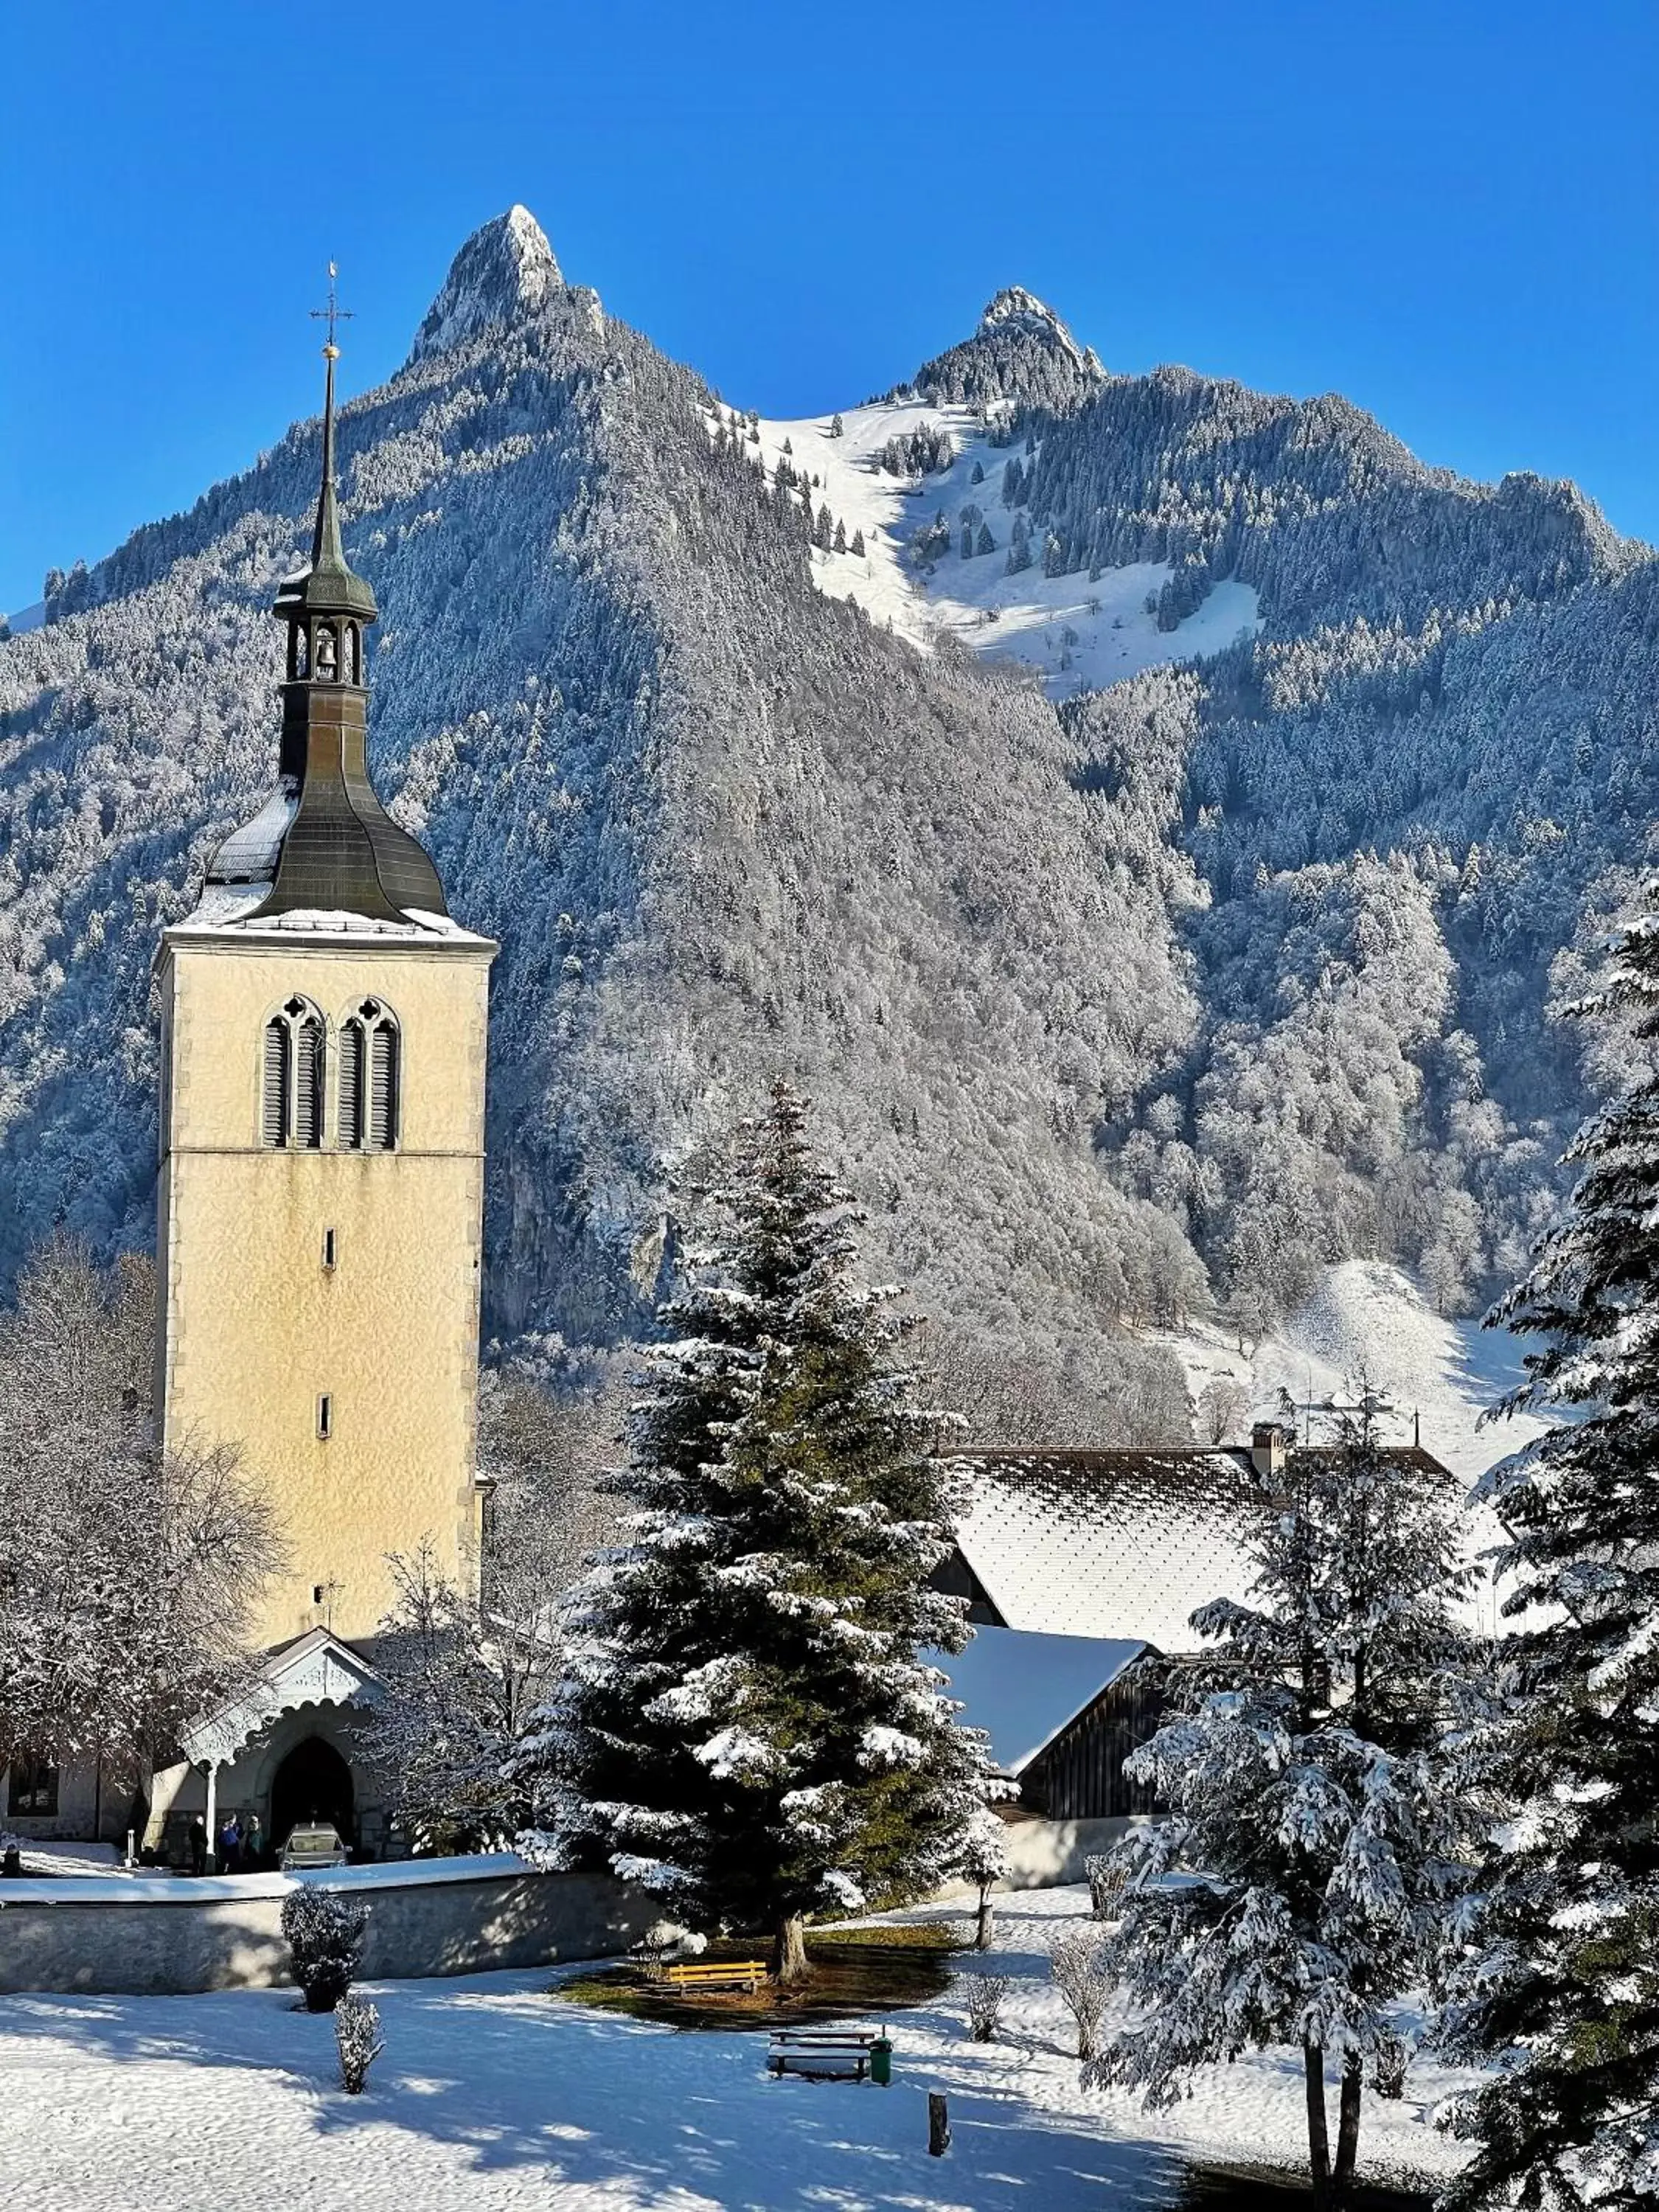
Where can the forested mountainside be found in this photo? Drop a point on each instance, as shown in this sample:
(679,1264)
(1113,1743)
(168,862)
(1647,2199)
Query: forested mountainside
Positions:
(1170,991)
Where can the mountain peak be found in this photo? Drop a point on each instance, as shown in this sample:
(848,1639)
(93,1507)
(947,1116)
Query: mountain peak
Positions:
(1021,352)
(1014,308)
(504,271)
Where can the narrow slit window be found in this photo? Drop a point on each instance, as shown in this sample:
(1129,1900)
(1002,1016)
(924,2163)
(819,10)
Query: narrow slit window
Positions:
(328,1248)
(324,1417)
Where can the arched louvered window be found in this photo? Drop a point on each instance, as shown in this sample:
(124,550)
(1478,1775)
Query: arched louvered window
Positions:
(293,1070)
(274,1117)
(369,1077)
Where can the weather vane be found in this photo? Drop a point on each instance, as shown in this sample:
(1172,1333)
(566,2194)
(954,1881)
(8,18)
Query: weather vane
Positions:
(331,314)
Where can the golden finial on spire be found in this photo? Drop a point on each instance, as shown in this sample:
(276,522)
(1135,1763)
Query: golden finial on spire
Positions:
(331,314)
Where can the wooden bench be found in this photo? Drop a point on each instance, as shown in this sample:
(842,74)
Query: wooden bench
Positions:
(724,1974)
(821,2055)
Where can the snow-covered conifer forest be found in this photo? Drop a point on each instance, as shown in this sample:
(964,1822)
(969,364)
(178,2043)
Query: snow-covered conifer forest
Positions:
(1113,997)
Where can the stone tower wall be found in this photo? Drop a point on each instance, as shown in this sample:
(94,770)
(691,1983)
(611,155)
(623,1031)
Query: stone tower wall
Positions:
(255,1328)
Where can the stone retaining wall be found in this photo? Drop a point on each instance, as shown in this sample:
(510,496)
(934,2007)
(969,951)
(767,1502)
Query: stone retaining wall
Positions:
(434,1916)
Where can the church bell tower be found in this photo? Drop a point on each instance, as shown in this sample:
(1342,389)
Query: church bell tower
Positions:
(321,1185)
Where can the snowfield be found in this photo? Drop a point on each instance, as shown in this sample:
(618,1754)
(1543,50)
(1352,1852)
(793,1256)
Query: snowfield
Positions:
(1081,635)
(1367,1317)
(492,2096)
(1441,1377)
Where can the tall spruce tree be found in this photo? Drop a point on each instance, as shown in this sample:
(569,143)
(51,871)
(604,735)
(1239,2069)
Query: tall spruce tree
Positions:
(746,1727)
(1305,1788)
(1561,1983)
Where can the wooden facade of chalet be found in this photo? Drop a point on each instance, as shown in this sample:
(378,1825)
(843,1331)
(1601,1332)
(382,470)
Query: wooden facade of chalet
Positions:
(1079,1775)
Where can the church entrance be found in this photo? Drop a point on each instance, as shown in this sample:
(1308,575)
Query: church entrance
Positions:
(313,1783)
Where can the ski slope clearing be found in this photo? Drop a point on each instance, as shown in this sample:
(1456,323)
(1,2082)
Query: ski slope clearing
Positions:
(1440,1377)
(1367,1318)
(1080,634)
(494,2096)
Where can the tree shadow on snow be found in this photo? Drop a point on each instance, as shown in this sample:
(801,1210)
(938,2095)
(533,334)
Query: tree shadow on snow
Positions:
(513,2078)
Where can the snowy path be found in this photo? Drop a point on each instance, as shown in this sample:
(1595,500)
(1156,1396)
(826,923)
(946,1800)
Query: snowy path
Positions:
(492,2097)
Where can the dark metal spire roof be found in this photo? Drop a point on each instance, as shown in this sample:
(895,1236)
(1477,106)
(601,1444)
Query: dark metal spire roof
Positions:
(328,586)
(324,843)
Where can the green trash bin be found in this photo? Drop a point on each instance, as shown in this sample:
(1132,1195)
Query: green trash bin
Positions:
(881,2061)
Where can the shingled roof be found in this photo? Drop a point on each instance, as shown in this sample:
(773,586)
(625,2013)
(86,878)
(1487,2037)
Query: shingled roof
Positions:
(1119,1544)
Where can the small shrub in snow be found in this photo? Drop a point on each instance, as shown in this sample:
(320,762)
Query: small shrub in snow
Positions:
(1106,1880)
(357,2032)
(984,1995)
(653,1949)
(1077,1967)
(324,1932)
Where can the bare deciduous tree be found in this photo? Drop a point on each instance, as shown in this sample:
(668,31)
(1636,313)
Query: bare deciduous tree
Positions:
(464,1668)
(1223,1406)
(127,1572)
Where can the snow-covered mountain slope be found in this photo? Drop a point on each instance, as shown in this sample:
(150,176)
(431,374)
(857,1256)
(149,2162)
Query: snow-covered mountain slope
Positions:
(1442,1378)
(1368,1325)
(1079,631)
(1117,1004)
(722,826)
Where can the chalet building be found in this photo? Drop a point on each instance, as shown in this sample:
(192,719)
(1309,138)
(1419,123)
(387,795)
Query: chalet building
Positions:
(1083,1570)
(1063,1713)
(324,1027)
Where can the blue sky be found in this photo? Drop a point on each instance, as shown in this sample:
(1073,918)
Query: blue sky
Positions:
(1448,212)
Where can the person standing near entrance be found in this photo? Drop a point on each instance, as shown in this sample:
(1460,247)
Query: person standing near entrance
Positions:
(253,1842)
(197,1845)
(230,1847)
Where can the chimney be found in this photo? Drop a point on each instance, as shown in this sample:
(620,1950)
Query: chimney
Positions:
(1267,1448)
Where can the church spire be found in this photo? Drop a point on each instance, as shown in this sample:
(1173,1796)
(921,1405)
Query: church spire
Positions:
(338,851)
(326,550)
(328,586)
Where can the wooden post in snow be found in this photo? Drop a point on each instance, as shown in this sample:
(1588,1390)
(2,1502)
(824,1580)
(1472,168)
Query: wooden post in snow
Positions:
(938,2125)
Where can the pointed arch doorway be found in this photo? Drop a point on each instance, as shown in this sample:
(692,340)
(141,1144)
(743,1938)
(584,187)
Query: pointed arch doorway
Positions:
(313,1783)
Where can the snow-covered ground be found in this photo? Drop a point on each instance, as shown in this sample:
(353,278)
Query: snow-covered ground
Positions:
(493,2096)
(1081,635)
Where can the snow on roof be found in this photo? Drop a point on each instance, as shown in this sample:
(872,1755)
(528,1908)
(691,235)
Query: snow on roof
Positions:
(249,855)
(1123,1545)
(1022,1689)
(232,907)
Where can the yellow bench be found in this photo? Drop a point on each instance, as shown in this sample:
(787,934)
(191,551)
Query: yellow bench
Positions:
(723,1974)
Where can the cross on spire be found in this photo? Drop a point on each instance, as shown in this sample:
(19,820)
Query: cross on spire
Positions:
(331,314)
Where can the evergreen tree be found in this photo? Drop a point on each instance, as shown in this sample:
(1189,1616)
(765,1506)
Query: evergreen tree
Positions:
(967,541)
(840,544)
(1019,547)
(826,523)
(978,475)
(858,543)
(984,543)
(1561,1985)
(837,427)
(746,1727)
(1305,1785)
